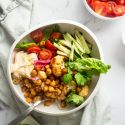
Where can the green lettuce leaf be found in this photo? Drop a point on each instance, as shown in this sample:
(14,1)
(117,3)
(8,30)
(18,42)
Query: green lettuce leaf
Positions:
(91,66)
(25,45)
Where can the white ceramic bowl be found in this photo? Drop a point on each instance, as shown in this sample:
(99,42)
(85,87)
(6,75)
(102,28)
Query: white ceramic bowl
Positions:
(67,26)
(123,37)
(99,16)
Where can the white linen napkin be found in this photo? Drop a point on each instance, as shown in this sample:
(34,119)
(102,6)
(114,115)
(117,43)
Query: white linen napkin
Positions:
(16,17)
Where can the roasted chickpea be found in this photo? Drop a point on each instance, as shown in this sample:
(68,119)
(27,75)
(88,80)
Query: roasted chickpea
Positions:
(48,102)
(47,66)
(16,81)
(34,73)
(26,81)
(29,100)
(61,97)
(47,81)
(37,67)
(42,75)
(42,44)
(37,88)
(23,88)
(62,104)
(33,92)
(48,71)
(37,98)
(53,83)
(26,94)
(51,77)
(65,90)
(38,82)
(58,91)
(61,87)
(64,70)
(51,89)
(78,89)
(57,81)
(28,85)
(45,88)
(43,69)
(48,94)
(53,95)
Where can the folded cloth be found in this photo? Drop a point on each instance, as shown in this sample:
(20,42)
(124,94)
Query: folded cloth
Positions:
(16,17)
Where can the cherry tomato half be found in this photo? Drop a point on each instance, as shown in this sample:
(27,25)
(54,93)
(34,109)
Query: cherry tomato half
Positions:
(104,0)
(37,35)
(120,2)
(110,7)
(49,45)
(94,3)
(101,9)
(119,10)
(45,54)
(56,35)
(89,1)
(33,49)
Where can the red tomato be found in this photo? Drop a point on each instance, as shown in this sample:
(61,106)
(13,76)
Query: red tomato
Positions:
(94,3)
(49,45)
(37,35)
(120,2)
(101,9)
(119,10)
(56,35)
(33,49)
(104,0)
(89,1)
(45,54)
(110,7)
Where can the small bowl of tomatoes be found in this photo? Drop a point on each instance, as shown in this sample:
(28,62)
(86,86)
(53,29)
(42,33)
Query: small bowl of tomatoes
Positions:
(106,9)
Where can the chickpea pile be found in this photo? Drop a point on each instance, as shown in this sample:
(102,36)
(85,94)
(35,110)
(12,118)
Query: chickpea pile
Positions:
(47,86)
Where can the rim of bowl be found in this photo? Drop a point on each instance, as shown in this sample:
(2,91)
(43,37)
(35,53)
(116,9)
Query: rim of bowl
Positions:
(99,16)
(46,24)
(123,37)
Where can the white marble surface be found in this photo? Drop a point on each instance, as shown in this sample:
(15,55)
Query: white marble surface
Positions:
(109,35)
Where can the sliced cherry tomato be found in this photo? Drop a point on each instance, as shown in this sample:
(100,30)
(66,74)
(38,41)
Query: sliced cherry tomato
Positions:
(119,10)
(56,35)
(49,45)
(120,2)
(104,0)
(110,7)
(33,49)
(101,9)
(94,3)
(45,54)
(37,35)
(89,1)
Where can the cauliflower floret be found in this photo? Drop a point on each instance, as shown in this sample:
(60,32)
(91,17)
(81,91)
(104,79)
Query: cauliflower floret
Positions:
(57,64)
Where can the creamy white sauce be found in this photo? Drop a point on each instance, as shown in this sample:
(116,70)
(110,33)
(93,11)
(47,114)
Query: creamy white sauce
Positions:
(23,64)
